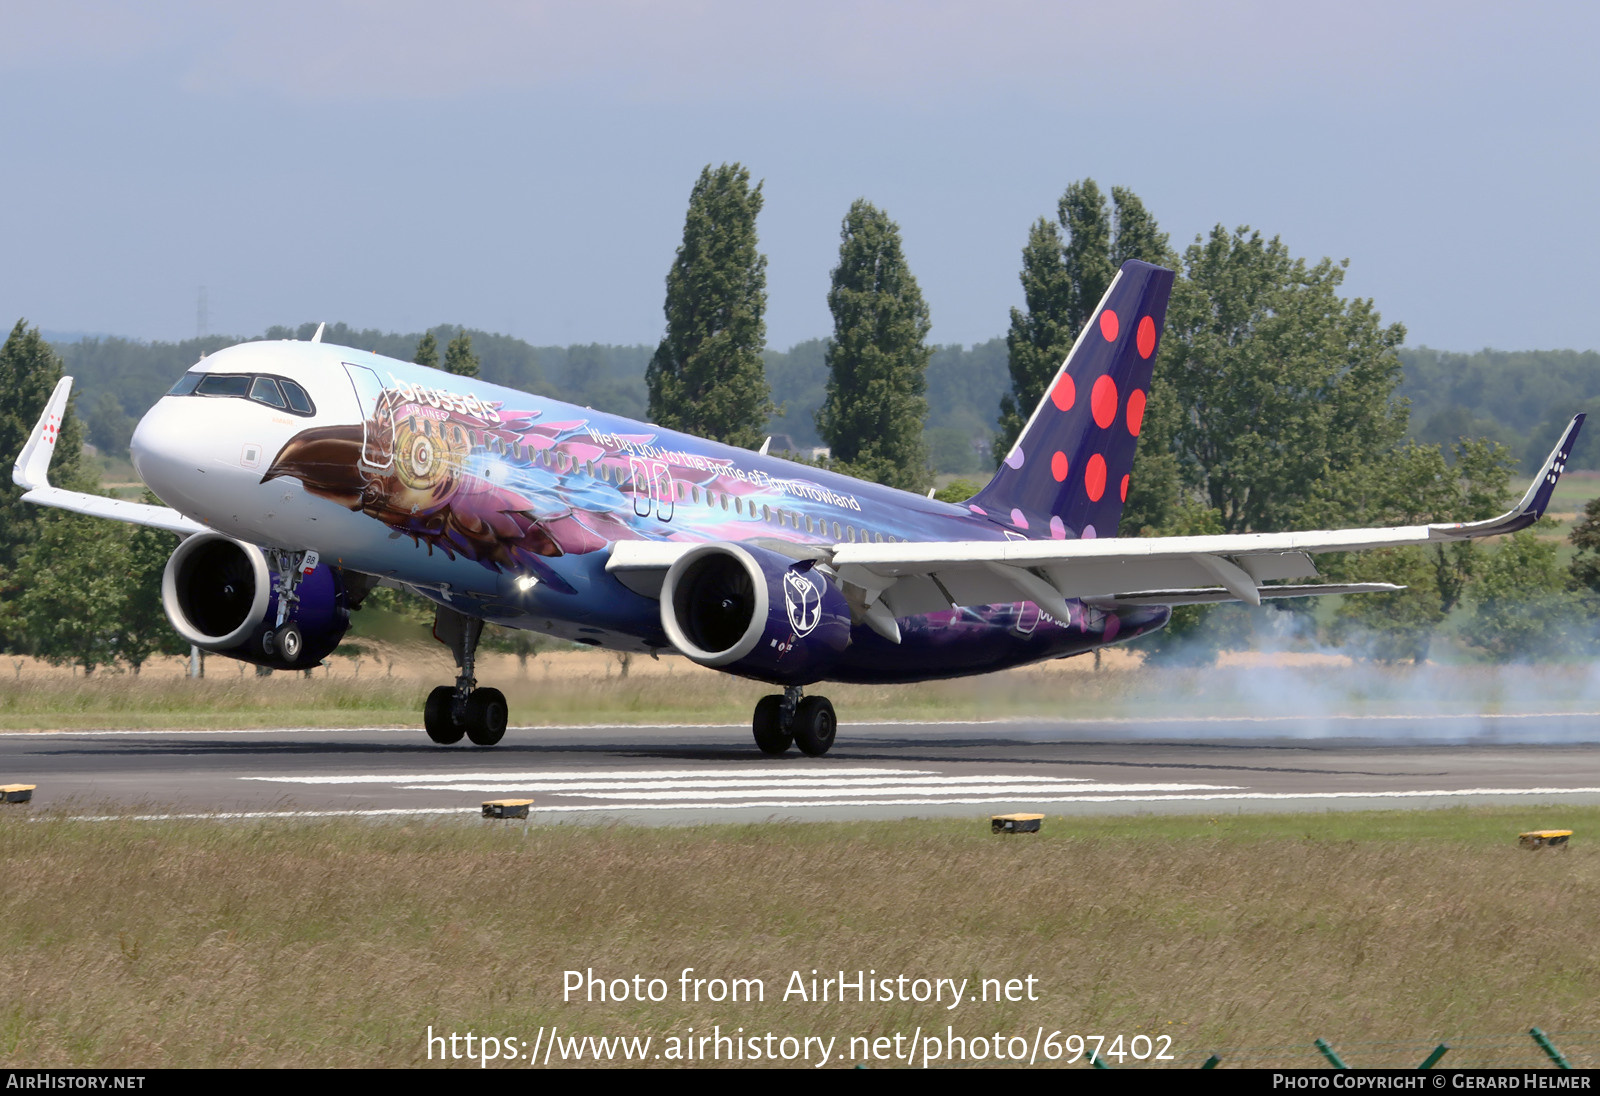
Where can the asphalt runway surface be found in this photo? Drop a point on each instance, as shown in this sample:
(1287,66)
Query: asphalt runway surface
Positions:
(693,774)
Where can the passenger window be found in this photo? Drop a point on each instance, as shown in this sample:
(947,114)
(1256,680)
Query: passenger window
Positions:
(836,534)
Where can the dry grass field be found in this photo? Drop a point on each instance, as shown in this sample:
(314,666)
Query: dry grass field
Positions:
(133,944)
(562,688)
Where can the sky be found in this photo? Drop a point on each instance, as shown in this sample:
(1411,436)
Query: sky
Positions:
(524,167)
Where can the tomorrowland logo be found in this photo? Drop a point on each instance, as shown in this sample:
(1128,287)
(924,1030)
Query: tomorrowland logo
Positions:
(803,598)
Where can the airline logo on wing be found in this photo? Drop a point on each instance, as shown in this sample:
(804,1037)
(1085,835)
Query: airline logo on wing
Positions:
(803,599)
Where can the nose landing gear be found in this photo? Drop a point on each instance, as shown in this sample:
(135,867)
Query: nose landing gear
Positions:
(790,718)
(463,709)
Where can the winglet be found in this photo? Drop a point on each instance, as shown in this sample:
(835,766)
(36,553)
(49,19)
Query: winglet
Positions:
(33,463)
(1533,504)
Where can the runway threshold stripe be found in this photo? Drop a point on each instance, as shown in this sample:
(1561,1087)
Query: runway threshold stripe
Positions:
(747,773)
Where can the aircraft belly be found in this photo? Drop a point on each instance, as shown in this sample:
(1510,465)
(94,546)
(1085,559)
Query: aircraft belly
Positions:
(958,643)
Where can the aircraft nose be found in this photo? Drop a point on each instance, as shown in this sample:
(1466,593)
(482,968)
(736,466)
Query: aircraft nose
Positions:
(165,451)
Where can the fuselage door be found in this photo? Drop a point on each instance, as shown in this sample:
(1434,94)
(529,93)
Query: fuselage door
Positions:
(377,418)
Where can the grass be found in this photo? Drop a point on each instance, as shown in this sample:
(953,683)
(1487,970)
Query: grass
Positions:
(587,689)
(134,944)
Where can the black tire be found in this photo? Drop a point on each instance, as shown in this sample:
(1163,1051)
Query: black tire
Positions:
(486,716)
(290,643)
(439,716)
(269,643)
(814,726)
(771,738)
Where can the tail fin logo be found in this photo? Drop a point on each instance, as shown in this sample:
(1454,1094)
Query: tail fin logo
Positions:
(1067,475)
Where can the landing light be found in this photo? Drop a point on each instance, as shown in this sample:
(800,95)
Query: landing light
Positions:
(525,583)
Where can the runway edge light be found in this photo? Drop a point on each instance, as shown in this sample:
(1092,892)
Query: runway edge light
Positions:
(1544,839)
(16,793)
(506,808)
(1015,823)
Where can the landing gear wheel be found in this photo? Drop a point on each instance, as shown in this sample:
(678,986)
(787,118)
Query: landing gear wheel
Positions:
(768,726)
(290,643)
(814,726)
(486,716)
(439,717)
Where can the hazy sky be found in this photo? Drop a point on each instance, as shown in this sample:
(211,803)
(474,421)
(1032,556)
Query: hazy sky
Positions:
(524,167)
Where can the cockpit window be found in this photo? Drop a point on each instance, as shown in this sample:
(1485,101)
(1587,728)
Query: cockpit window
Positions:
(275,392)
(299,402)
(185,384)
(265,390)
(220,384)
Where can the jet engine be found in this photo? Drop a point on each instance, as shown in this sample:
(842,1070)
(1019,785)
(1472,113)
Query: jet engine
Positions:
(742,608)
(221,595)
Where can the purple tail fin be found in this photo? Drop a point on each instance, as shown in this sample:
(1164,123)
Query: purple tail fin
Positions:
(1067,475)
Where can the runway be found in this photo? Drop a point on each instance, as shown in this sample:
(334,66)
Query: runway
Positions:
(693,774)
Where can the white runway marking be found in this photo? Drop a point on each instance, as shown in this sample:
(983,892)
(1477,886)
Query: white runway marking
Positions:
(767,788)
(813,787)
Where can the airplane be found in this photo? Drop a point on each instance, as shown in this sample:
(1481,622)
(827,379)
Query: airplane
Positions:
(302,475)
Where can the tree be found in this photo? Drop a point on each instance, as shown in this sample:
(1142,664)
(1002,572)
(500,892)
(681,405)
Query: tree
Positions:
(1063,279)
(427,351)
(458,356)
(145,628)
(1282,388)
(29,371)
(68,606)
(1413,485)
(706,377)
(1521,607)
(877,361)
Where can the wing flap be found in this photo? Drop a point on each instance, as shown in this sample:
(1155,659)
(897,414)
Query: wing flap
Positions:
(1214,594)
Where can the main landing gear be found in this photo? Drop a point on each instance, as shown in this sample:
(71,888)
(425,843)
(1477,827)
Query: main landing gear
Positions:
(807,722)
(463,708)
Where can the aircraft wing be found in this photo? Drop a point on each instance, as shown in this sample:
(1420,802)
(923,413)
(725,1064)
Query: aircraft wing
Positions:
(928,577)
(32,474)
(911,578)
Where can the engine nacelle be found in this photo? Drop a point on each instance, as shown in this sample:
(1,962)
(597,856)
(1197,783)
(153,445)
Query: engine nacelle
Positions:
(745,609)
(221,596)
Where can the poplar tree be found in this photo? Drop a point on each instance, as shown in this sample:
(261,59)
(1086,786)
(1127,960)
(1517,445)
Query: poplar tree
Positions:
(29,370)
(1065,272)
(427,351)
(876,402)
(458,356)
(707,377)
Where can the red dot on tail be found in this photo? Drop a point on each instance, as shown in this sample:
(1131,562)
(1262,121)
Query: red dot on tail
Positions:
(1103,401)
(1108,325)
(1124,488)
(1064,394)
(1135,411)
(1094,477)
(1058,466)
(1146,338)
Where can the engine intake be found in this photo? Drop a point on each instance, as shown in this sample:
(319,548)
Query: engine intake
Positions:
(221,595)
(745,609)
